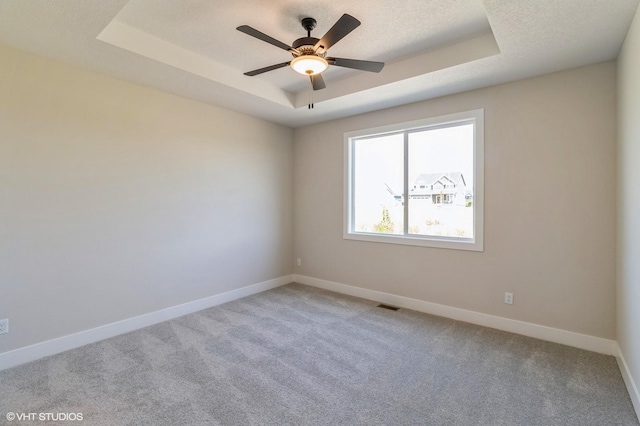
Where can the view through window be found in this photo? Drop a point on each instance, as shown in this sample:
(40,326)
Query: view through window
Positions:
(417,183)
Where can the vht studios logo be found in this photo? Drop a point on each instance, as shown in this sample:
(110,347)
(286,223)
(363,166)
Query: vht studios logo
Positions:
(51,417)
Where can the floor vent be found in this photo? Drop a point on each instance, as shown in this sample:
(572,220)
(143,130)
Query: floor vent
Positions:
(391,308)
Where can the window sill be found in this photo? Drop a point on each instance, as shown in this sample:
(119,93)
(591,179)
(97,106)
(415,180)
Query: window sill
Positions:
(433,242)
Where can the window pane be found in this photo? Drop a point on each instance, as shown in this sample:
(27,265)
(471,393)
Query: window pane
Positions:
(418,183)
(378,184)
(441,182)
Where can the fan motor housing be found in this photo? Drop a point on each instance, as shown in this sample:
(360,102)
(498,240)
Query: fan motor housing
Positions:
(305,41)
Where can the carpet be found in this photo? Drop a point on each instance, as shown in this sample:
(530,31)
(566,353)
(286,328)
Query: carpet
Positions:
(297,355)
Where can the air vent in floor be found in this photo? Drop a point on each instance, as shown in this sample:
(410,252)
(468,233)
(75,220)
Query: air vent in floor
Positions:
(391,308)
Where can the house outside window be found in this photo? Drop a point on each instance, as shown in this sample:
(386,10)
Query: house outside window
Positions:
(417,183)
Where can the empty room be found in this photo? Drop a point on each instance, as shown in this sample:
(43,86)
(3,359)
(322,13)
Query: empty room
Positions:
(320,213)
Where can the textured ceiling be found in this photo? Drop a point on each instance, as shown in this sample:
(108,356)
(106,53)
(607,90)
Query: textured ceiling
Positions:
(190,24)
(431,47)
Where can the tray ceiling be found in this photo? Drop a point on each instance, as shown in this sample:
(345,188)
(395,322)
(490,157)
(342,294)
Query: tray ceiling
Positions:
(431,48)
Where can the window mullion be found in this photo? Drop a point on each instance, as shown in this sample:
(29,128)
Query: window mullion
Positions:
(406,184)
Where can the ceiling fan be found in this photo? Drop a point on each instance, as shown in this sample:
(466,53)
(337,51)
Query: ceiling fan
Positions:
(309,53)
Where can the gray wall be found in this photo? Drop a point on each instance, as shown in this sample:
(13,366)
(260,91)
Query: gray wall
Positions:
(549,206)
(628,250)
(117,200)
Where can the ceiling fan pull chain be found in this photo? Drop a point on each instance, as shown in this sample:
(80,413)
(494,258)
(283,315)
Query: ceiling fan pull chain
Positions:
(311,96)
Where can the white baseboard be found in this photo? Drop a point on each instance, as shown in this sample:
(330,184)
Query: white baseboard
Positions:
(71,341)
(569,338)
(629,382)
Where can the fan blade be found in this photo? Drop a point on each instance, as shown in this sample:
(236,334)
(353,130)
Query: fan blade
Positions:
(356,64)
(262,36)
(317,82)
(266,69)
(344,26)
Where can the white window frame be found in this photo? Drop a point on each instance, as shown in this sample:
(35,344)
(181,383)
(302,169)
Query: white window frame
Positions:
(474,244)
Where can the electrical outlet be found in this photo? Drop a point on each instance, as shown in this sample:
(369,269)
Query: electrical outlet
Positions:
(508,298)
(4,326)
(299,262)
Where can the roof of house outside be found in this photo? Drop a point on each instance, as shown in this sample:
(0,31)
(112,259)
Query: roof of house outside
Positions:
(431,178)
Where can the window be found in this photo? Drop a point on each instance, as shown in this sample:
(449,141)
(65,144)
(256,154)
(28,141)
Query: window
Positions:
(417,183)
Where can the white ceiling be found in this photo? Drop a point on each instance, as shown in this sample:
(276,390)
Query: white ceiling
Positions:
(431,47)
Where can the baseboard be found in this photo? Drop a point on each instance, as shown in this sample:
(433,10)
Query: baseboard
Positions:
(629,382)
(569,338)
(61,344)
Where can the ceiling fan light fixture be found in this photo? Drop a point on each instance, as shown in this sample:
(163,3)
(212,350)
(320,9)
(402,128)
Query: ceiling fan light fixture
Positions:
(309,64)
